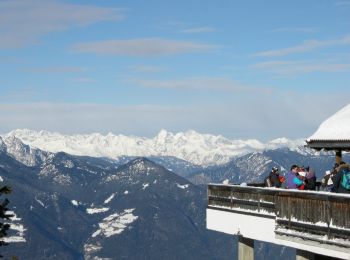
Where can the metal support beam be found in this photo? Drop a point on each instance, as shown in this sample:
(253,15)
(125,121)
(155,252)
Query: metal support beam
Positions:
(304,255)
(245,248)
(338,156)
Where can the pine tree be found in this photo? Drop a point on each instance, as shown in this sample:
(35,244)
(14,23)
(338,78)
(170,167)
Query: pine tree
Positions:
(4,215)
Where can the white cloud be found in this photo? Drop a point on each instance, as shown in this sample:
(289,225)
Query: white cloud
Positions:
(22,22)
(301,67)
(306,46)
(200,84)
(142,47)
(199,30)
(262,117)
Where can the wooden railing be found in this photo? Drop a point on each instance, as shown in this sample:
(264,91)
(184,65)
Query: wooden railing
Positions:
(318,214)
(244,198)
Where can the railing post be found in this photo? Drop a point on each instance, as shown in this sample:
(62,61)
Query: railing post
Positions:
(245,248)
(328,218)
(289,212)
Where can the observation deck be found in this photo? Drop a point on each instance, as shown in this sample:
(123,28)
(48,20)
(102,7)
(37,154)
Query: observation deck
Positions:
(316,223)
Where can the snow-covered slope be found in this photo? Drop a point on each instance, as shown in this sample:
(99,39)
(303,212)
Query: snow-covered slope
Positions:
(200,149)
(24,153)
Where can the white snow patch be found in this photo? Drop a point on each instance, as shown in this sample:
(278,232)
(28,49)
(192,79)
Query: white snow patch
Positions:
(96,233)
(75,203)
(40,202)
(109,198)
(13,239)
(14,218)
(182,186)
(126,192)
(1,179)
(145,185)
(96,210)
(17,227)
(115,223)
(91,248)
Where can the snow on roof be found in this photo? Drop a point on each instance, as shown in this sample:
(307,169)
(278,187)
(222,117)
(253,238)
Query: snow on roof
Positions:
(336,127)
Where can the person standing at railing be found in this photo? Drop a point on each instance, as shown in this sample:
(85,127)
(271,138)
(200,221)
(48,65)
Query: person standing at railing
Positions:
(342,179)
(329,177)
(274,179)
(310,179)
(292,179)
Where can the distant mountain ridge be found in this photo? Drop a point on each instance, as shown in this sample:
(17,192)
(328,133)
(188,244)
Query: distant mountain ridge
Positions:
(199,149)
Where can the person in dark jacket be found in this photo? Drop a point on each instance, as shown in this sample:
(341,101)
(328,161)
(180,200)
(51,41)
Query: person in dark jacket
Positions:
(342,170)
(274,178)
(310,179)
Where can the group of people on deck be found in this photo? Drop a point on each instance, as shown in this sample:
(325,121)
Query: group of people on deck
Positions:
(301,178)
(304,178)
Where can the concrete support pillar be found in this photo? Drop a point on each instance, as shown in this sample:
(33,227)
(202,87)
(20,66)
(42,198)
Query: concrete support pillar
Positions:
(304,255)
(245,248)
(338,156)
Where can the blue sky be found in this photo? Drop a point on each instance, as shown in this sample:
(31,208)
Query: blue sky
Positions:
(242,69)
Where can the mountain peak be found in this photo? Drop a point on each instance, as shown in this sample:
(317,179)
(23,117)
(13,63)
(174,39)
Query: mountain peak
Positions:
(163,136)
(142,164)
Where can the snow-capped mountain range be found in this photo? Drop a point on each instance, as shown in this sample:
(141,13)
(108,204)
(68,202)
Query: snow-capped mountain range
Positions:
(199,149)
(72,207)
(79,207)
